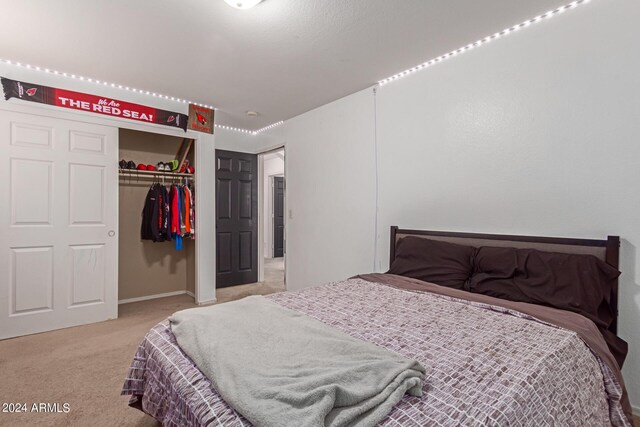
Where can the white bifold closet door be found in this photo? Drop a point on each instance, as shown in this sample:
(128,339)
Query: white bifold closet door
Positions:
(58,239)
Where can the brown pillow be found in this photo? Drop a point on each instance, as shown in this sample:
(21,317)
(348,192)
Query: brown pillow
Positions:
(442,263)
(578,283)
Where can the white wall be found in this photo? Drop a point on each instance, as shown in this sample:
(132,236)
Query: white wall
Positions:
(205,151)
(235,141)
(330,192)
(272,166)
(536,133)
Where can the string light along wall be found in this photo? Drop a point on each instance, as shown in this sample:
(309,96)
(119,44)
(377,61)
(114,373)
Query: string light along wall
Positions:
(424,65)
(271,126)
(495,36)
(103,83)
(134,90)
(251,132)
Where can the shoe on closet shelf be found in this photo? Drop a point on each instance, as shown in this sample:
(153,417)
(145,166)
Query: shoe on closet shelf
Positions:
(131,164)
(151,168)
(173,165)
(184,167)
(123,164)
(142,167)
(161,167)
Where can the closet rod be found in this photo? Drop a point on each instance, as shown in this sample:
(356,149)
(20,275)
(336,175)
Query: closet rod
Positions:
(134,173)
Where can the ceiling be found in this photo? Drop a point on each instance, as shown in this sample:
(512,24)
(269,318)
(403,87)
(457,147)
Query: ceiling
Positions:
(281,58)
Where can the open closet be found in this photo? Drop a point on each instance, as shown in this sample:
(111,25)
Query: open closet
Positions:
(72,224)
(156,176)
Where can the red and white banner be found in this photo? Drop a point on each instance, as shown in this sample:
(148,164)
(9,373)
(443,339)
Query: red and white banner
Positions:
(91,103)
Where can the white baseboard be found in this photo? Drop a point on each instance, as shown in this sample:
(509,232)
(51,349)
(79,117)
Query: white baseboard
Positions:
(148,297)
(191,294)
(211,301)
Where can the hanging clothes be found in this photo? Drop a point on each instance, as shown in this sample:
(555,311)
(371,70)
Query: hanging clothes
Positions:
(187,209)
(166,219)
(150,230)
(178,235)
(192,213)
(168,214)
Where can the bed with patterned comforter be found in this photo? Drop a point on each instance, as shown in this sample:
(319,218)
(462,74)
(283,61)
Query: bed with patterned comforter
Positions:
(487,364)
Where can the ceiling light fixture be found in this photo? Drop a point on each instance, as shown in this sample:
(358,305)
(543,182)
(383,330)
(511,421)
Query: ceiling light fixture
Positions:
(539,18)
(242,4)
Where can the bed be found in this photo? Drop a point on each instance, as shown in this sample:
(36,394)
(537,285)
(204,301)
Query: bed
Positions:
(489,361)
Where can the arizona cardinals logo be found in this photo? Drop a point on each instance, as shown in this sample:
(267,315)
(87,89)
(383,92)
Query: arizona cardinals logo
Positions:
(202,119)
(32,91)
(170,119)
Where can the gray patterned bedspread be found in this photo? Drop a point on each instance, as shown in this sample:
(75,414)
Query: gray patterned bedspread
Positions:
(486,366)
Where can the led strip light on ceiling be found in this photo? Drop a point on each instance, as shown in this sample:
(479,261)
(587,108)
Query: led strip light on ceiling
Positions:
(134,90)
(225,127)
(271,126)
(382,82)
(103,83)
(468,47)
(485,40)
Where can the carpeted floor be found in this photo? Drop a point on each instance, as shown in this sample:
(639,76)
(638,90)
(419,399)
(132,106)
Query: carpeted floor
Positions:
(85,366)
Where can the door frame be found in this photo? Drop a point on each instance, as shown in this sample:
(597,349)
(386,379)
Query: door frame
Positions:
(261,203)
(204,145)
(270,229)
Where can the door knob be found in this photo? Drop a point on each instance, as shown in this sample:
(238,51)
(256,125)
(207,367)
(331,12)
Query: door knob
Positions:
(111,233)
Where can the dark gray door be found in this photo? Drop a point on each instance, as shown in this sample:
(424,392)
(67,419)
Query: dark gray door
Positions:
(236,218)
(278,217)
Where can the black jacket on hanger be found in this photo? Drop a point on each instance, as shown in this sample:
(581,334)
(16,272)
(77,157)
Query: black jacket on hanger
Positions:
(151,216)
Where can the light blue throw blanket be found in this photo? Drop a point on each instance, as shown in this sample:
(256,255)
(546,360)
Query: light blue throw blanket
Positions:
(278,367)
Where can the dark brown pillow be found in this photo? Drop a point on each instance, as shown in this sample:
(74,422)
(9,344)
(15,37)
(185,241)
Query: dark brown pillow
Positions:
(442,263)
(578,283)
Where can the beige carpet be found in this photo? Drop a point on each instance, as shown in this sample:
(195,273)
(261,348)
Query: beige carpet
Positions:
(85,366)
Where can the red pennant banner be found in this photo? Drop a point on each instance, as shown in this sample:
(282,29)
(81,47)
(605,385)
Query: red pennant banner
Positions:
(92,103)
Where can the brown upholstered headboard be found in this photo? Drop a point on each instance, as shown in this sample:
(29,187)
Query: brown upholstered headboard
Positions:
(607,250)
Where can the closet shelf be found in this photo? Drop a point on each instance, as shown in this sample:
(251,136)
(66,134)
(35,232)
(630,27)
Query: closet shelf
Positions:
(135,173)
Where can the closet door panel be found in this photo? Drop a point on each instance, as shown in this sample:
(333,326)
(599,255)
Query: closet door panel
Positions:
(87,143)
(87,194)
(31,135)
(31,192)
(88,274)
(58,180)
(31,284)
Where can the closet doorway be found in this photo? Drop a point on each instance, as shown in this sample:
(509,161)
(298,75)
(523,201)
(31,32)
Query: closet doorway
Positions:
(157,231)
(69,260)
